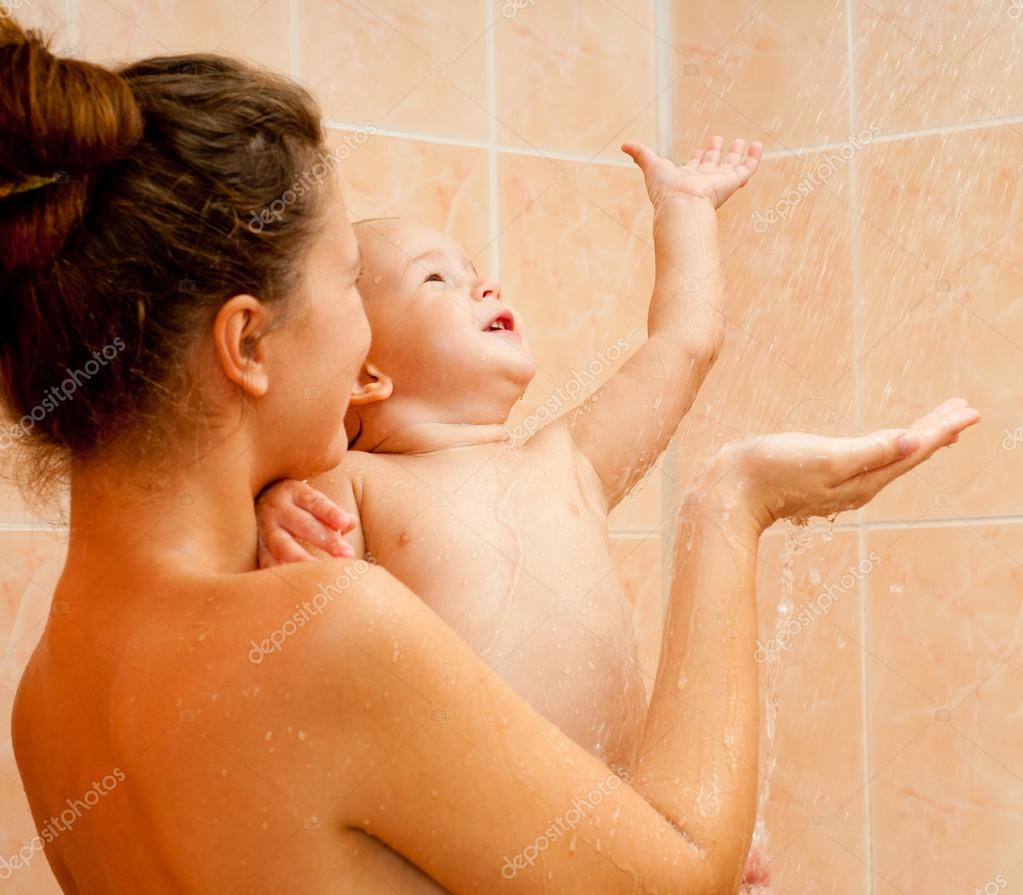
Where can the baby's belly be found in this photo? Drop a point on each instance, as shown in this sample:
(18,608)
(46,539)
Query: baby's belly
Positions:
(570,650)
(580,670)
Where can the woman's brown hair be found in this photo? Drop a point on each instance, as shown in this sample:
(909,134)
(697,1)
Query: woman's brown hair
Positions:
(132,205)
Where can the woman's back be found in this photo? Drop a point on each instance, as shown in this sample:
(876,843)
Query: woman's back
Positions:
(144,728)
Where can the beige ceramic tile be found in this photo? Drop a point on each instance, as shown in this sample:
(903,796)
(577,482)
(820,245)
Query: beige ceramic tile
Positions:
(398,64)
(574,77)
(47,16)
(576,261)
(814,813)
(31,875)
(124,30)
(30,563)
(766,71)
(442,186)
(638,565)
(945,626)
(921,65)
(942,317)
(787,267)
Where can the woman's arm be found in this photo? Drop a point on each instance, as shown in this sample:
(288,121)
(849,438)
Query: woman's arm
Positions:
(444,763)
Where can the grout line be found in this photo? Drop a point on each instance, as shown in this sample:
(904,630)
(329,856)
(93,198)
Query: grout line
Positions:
(861,530)
(494,218)
(901,136)
(492,145)
(32,526)
(640,533)
(634,534)
(73,29)
(957,522)
(294,59)
(663,69)
(574,157)
(904,524)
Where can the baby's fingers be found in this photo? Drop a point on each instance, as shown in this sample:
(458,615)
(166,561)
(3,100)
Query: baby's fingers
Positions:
(283,548)
(301,523)
(735,150)
(642,155)
(322,508)
(713,154)
(752,161)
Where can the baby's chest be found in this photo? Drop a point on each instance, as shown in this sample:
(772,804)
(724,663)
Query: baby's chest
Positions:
(488,527)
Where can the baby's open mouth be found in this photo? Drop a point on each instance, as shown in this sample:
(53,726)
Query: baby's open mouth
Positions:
(503,322)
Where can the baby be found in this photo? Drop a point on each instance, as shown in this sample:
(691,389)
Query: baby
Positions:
(509,544)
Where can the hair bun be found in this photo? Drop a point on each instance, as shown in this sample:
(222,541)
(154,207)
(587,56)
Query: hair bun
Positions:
(63,118)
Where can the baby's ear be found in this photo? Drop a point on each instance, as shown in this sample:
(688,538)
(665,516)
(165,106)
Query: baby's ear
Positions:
(371,386)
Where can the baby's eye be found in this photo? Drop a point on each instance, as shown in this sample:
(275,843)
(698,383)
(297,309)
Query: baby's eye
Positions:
(435,278)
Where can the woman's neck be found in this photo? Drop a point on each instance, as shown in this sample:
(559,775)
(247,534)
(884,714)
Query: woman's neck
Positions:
(203,515)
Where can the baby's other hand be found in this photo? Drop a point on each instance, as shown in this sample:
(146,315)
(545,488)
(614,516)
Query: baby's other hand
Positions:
(704,176)
(291,510)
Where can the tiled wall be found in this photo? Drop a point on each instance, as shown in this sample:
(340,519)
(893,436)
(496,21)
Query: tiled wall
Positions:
(867,283)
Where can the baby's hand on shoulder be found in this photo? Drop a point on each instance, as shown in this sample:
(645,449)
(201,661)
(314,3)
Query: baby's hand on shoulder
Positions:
(705,176)
(291,511)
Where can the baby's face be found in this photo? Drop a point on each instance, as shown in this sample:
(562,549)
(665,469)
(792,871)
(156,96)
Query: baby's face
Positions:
(442,333)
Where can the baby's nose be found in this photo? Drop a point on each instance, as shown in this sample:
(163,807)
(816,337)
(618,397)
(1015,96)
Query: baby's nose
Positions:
(484,289)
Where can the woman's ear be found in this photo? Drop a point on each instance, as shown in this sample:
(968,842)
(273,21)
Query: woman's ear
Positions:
(371,386)
(238,331)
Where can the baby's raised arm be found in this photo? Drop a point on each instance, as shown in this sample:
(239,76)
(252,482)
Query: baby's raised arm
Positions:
(628,423)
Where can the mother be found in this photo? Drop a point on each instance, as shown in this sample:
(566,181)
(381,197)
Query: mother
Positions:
(208,359)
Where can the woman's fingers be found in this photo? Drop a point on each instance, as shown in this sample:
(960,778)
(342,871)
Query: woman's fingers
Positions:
(876,450)
(933,431)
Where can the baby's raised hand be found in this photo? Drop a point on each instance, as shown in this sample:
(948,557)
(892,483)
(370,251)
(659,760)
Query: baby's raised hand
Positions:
(291,511)
(704,176)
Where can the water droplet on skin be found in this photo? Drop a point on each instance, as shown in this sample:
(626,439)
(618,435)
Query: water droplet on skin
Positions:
(376,280)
